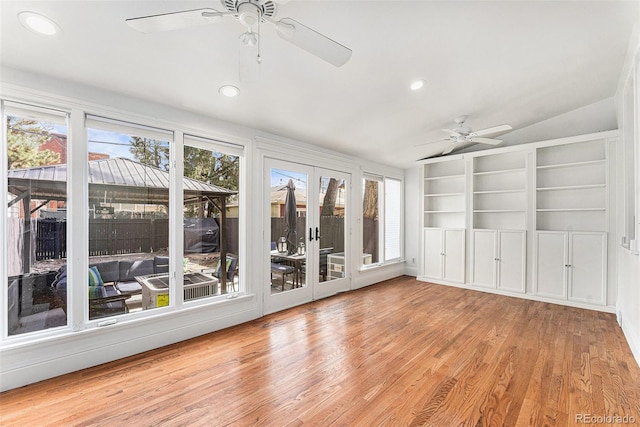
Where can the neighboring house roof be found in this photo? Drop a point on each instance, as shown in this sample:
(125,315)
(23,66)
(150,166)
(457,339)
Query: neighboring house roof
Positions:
(116,180)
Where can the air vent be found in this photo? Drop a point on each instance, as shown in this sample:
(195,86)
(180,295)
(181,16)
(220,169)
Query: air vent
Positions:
(267,8)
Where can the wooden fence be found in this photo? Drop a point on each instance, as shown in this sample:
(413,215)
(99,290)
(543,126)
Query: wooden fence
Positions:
(124,236)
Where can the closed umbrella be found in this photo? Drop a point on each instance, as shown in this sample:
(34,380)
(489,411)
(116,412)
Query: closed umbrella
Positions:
(291,218)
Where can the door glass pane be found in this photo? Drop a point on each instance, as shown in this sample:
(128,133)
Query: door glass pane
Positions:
(288,230)
(128,219)
(331,255)
(36,221)
(210,223)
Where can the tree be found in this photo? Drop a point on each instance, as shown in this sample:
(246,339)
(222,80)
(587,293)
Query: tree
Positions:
(150,152)
(25,138)
(214,168)
(370,200)
(329,201)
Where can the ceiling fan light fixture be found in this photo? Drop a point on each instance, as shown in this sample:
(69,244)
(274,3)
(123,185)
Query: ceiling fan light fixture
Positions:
(249,14)
(38,24)
(249,38)
(229,91)
(417,84)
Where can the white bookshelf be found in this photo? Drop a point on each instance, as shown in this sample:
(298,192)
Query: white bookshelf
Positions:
(571,187)
(444,194)
(500,191)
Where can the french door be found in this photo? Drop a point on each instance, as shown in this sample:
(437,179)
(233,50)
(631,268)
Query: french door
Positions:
(306,233)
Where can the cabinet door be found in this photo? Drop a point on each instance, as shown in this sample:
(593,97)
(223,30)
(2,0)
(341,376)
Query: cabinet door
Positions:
(484,255)
(551,258)
(511,260)
(454,255)
(433,250)
(588,267)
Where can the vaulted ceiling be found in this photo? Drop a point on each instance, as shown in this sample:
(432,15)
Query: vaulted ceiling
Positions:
(515,62)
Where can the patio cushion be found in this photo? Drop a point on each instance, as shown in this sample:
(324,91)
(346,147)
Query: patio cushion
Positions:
(109,270)
(95,279)
(161,264)
(130,269)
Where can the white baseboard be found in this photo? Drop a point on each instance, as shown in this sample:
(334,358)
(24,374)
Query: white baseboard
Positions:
(633,339)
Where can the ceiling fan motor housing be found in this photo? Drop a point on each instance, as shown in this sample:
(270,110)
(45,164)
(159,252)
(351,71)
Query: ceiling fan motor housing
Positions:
(250,12)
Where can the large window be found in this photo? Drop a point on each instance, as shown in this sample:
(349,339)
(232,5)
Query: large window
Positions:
(211,218)
(128,209)
(35,146)
(382,212)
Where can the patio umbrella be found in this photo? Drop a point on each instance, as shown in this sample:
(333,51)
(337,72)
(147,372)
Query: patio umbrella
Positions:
(291,218)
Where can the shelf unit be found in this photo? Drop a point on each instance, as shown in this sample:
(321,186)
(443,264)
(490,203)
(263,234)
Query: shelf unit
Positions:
(571,187)
(444,194)
(500,191)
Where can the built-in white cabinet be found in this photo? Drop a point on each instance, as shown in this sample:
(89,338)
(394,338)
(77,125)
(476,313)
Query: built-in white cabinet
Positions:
(571,265)
(536,218)
(444,254)
(499,259)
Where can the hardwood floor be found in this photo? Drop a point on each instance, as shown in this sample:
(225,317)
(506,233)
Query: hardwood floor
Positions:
(400,353)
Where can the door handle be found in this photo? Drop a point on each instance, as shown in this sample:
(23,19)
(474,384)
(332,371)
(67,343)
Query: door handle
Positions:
(317,233)
(310,234)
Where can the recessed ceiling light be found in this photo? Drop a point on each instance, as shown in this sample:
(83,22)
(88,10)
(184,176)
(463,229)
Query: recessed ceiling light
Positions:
(38,23)
(229,90)
(417,85)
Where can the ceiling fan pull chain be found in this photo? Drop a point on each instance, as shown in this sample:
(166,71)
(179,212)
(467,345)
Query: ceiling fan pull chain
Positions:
(259,58)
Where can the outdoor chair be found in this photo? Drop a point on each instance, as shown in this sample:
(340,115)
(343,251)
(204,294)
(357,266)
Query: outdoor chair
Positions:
(283,270)
(232,263)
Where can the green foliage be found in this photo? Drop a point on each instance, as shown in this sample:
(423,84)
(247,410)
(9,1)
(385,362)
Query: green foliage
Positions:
(25,138)
(150,152)
(214,168)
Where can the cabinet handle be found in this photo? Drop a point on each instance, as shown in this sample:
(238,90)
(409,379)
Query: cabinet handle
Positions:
(567,265)
(496,259)
(441,253)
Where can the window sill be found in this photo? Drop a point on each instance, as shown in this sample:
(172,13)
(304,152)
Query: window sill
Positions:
(375,266)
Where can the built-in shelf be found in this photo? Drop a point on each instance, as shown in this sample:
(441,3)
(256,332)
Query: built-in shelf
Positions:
(571,210)
(435,178)
(572,164)
(572,187)
(498,210)
(499,171)
(500,191)
(516,190)
(443,194)
(444,203)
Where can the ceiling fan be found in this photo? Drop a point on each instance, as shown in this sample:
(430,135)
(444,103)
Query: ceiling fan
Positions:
(250,13)
(462,134)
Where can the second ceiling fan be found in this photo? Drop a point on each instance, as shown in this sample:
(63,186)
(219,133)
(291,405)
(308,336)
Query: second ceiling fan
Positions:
(461,135)
(251,14)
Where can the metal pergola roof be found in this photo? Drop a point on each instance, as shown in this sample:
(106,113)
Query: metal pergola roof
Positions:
(116,180)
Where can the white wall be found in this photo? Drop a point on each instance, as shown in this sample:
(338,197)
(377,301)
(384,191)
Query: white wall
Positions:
(628,304)
(412,219)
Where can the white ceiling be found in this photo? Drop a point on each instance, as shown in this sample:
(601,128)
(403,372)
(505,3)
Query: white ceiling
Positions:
(516,62)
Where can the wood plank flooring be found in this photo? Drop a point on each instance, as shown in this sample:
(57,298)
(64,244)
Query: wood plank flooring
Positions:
(399,353)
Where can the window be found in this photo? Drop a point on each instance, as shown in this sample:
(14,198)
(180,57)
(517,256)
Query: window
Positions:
(211,218)
(381,216)
(128,188)
(35,146)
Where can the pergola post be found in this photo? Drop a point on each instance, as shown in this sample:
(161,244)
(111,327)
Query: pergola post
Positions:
(223,245)
(26,235)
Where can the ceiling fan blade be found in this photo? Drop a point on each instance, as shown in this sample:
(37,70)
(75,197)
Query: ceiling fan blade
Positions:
(431,142)
(313,42)
(494,129)
(451,132)
(489,141)
(174,20)
(450,149)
